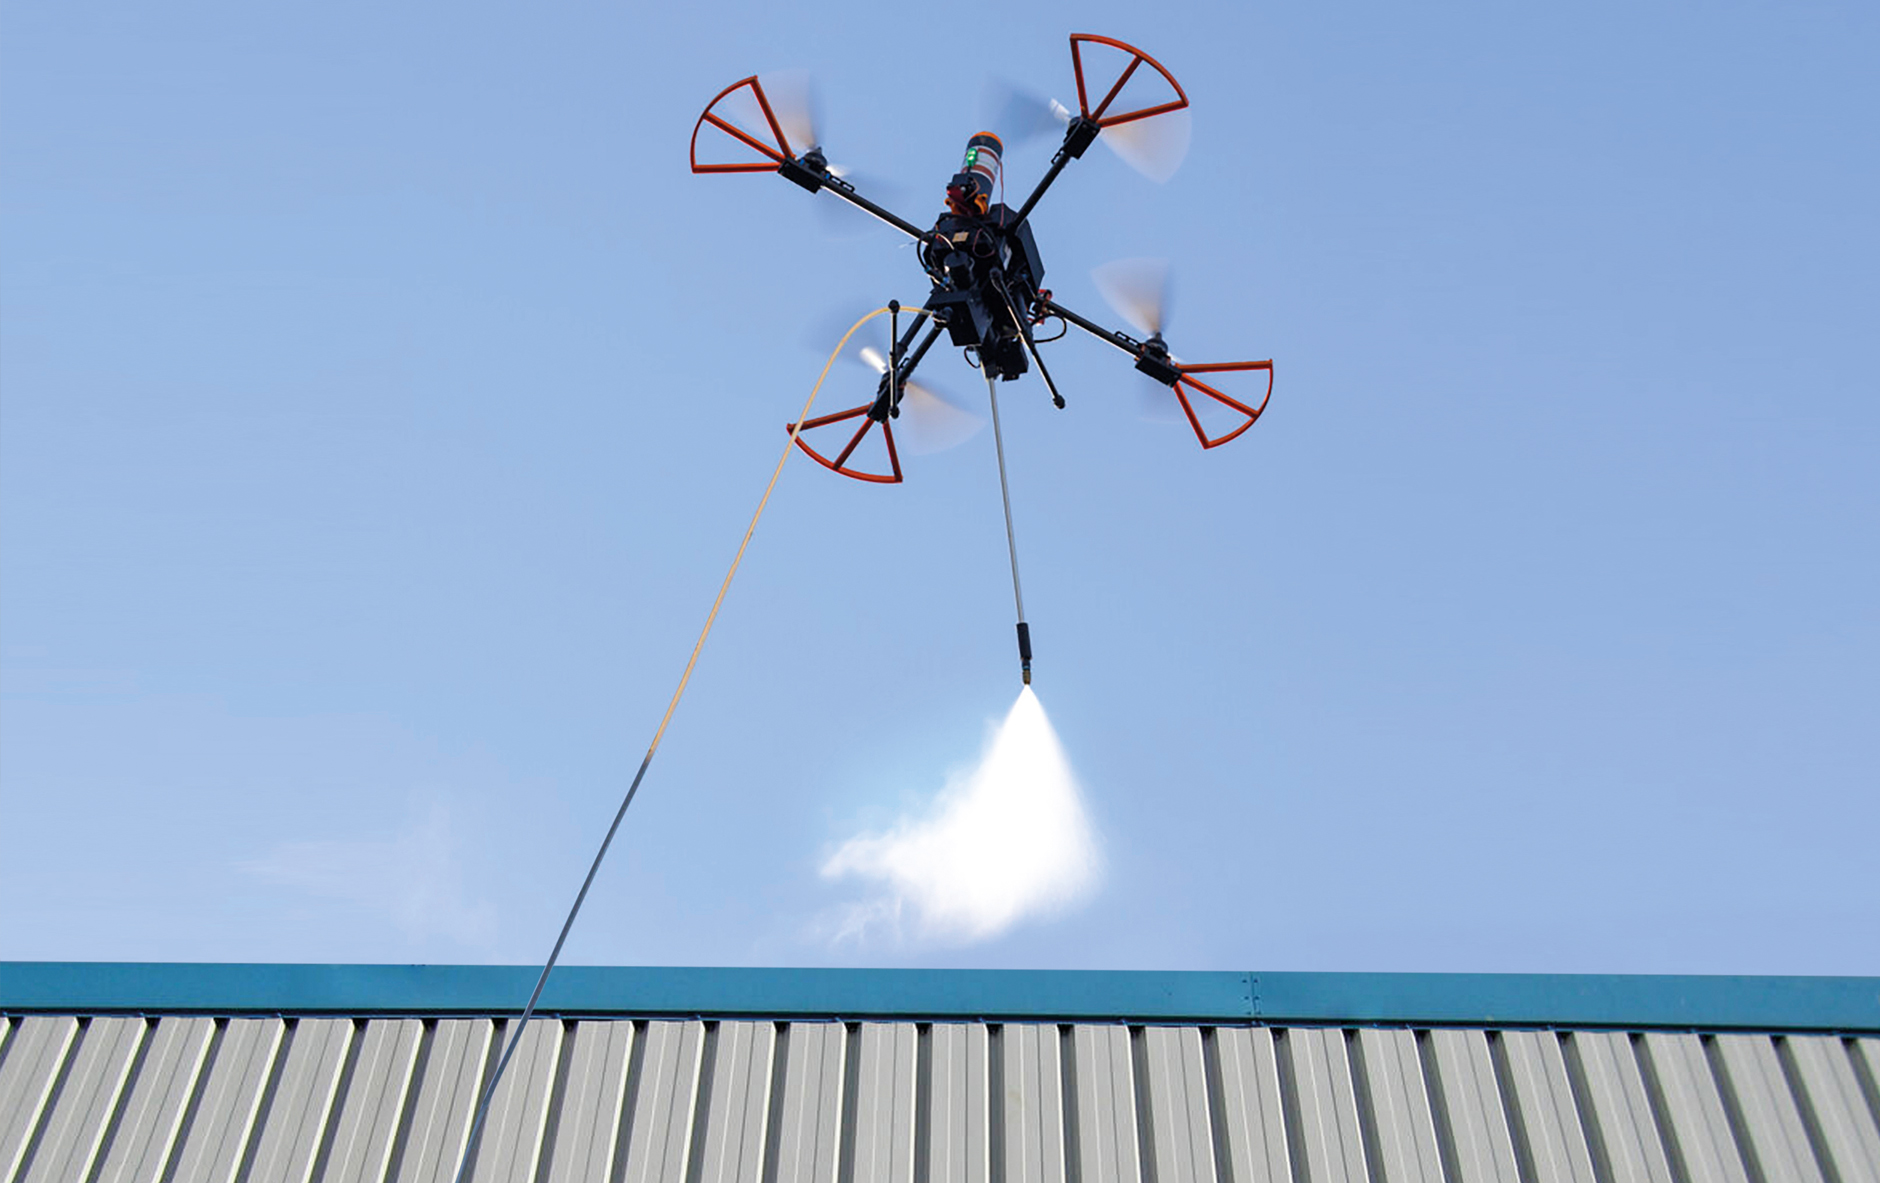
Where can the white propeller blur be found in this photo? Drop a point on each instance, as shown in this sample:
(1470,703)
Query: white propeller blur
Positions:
(1138,289)
(793,101)
(1154,147)
(928,422)
(1021,116)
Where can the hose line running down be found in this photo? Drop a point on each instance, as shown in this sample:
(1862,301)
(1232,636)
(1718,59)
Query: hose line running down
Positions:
(1011,539)
(515,1034)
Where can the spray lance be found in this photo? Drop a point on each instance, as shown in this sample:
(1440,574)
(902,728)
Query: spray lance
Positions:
(1011,539)
(981,163)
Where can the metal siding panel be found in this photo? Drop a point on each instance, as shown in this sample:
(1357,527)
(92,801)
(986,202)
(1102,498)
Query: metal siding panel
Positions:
(1483,1145)
(958,1149)
(739,1105)
(1593,1107)
(296,1116)
(1770,1118)
(1032,1110)
(510,1146)
(83,1111)
(1867,1052)
(1252,1113)
(809,1133)
(589,1125)
(1180,1132)
(660,1126)
(35,1054)
(1104,1071)
(1621,1107)
(231,1097)
(367,1122)
(884,1102)
(1849,1130)
(153,1108)
(1543,1092)
(1328,1106)
(445,1100)
(1693,1108)
(1400,1107)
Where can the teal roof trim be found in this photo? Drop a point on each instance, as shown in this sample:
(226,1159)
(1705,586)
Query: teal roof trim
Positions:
(1482,1000)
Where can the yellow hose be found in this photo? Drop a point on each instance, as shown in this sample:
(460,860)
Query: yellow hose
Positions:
(515,1035)
(795,430)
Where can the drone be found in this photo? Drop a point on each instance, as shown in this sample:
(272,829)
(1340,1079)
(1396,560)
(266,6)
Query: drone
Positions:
(982,260)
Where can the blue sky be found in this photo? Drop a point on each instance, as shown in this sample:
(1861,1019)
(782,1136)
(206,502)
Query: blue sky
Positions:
(381,400)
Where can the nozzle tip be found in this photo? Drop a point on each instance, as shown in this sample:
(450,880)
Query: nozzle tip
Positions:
(1027,673)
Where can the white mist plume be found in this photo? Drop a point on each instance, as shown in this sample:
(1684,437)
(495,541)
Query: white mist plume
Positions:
(1007,841)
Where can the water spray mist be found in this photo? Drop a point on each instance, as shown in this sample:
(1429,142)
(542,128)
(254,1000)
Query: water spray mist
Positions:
(1005,841)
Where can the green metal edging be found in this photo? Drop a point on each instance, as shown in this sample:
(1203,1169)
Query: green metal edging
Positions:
(594,990)
(1634,1001)
(1842,1004)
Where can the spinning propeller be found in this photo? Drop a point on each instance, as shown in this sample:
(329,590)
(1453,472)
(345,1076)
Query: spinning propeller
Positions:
(1154,147)
(1138,289)
(928,421)
(798,107)
(922,422)
(797,102)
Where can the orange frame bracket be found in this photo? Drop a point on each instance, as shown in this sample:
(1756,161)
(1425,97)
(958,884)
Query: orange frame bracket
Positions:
(840,463)
(1102,116)
(1202,388)
(775,153)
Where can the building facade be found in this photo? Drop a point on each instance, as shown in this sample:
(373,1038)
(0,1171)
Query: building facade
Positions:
(231,1073)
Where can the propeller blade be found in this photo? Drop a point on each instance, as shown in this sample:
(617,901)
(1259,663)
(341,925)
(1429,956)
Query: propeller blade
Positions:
(931,424)
(793,101)
(929,421)
(1155,402)
(797,104)
(1138,289)
(1020,116)
(1158,404)
(1154,147)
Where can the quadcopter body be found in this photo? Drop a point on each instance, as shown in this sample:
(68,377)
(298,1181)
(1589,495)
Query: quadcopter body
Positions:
(982,259)
(986,274)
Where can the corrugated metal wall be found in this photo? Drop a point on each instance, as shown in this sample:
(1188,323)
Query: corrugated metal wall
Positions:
(181,1098)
